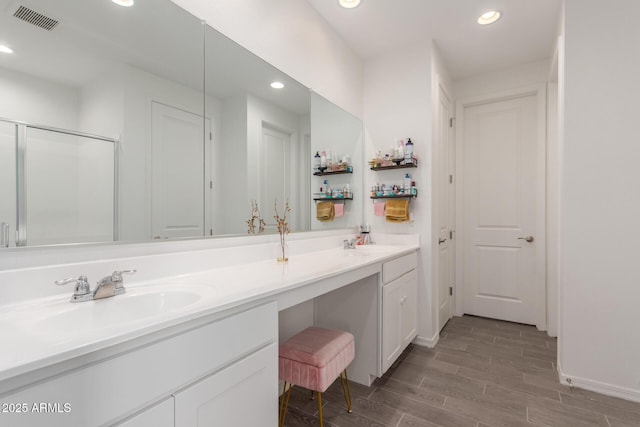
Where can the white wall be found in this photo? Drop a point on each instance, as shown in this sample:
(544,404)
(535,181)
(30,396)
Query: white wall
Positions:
(398,104)
(600,271)
(293,37)
(233,166)
(501,80)
(32,99)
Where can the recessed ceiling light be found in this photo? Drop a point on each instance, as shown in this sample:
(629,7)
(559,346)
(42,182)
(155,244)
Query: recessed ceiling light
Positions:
(349,4)
(277,85)
(5,49)
(125,3)
(489,17)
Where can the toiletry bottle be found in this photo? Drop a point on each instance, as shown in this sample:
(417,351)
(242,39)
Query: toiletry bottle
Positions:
(400,149)
(407,184)
(323,159)
(327,190)
(414,190)
(316,162)
(408,152)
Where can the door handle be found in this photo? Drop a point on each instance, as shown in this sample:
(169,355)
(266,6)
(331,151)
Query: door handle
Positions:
(441,241)
(528,239)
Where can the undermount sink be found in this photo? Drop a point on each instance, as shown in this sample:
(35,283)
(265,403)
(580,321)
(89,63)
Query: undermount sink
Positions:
(135,305)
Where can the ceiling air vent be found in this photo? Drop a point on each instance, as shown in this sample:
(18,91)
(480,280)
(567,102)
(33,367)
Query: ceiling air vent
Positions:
(35,18)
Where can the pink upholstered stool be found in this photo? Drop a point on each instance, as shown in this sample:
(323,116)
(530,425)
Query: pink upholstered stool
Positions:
(313,359)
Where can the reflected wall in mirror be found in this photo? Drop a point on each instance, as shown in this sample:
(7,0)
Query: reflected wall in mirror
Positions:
(118,128)
(260,139)
(108,71)
(336,136)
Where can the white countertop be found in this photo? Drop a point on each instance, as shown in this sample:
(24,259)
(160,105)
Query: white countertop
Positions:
(37,333)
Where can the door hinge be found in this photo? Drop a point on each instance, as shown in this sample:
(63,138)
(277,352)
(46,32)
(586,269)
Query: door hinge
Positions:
(211,185)
(452,121)
(450,290)
(450,179)
(210,136)
(450,234)
(211,232)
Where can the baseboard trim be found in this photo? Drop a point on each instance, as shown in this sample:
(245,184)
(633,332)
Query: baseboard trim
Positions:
(426,342)
(599,387)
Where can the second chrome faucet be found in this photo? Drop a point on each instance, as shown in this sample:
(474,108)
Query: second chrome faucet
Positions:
(108,286)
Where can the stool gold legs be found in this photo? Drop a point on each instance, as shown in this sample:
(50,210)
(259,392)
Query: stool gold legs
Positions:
(345,389)
(284,400)
(284,403)
(320,407)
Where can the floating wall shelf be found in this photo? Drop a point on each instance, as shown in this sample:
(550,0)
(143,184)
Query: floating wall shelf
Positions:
(397,196)
(382,168)
(331,199)
(332,172)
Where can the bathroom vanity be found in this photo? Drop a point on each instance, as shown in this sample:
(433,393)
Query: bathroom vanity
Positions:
(194,340)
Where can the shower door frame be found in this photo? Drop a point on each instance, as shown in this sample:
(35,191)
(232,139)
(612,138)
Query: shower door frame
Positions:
(21,173)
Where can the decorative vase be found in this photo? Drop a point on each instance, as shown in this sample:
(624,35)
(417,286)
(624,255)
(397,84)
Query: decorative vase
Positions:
(283,252)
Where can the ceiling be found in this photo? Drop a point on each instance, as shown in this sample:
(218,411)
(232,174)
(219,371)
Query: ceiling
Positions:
(95,38)
(526,32)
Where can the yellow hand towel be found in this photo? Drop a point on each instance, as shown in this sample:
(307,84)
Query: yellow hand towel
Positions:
(396,210)
(325,211)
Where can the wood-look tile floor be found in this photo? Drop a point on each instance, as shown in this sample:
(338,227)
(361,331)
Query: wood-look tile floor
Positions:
(482,372)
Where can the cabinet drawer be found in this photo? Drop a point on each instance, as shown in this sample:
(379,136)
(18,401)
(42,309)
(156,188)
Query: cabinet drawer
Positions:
(243,394)
(395,268)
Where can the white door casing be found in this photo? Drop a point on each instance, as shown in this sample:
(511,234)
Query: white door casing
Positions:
(8,179)
(180,173)
(501,201)
(446,246)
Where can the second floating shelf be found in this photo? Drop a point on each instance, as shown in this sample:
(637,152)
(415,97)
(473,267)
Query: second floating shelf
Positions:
(396,196)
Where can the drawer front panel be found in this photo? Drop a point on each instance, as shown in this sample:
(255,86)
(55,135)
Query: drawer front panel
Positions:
(395,268)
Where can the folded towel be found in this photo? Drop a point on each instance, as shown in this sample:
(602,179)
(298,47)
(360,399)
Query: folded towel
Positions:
(325,211)
(378,209)
(397,210)
(339,209)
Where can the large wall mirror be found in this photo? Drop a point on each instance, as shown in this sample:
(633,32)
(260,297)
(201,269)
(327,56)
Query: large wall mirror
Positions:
(141,123)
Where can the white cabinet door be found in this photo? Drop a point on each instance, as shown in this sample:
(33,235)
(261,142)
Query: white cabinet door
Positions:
(399,316)
(160,415)
(243,394)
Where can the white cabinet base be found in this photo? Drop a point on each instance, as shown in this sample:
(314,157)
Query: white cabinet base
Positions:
(399,316)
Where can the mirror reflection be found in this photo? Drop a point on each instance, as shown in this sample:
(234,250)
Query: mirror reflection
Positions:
(141,123)
(337,182)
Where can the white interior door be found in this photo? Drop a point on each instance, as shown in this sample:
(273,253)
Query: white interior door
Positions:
(275,172)
(445,214)
(8,188)
(180,173)
(503,196)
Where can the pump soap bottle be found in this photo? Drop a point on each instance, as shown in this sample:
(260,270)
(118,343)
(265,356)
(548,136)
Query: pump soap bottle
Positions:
(408,152)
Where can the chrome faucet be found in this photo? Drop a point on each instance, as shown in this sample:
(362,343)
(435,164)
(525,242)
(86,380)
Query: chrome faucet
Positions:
(108,286)
(82,290)
(111,285)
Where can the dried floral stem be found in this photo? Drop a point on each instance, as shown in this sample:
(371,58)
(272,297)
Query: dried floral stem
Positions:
(255,215)
(282,225)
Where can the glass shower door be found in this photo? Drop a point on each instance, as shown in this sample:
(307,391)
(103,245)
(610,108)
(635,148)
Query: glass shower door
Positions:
(8,190)
(69,188)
